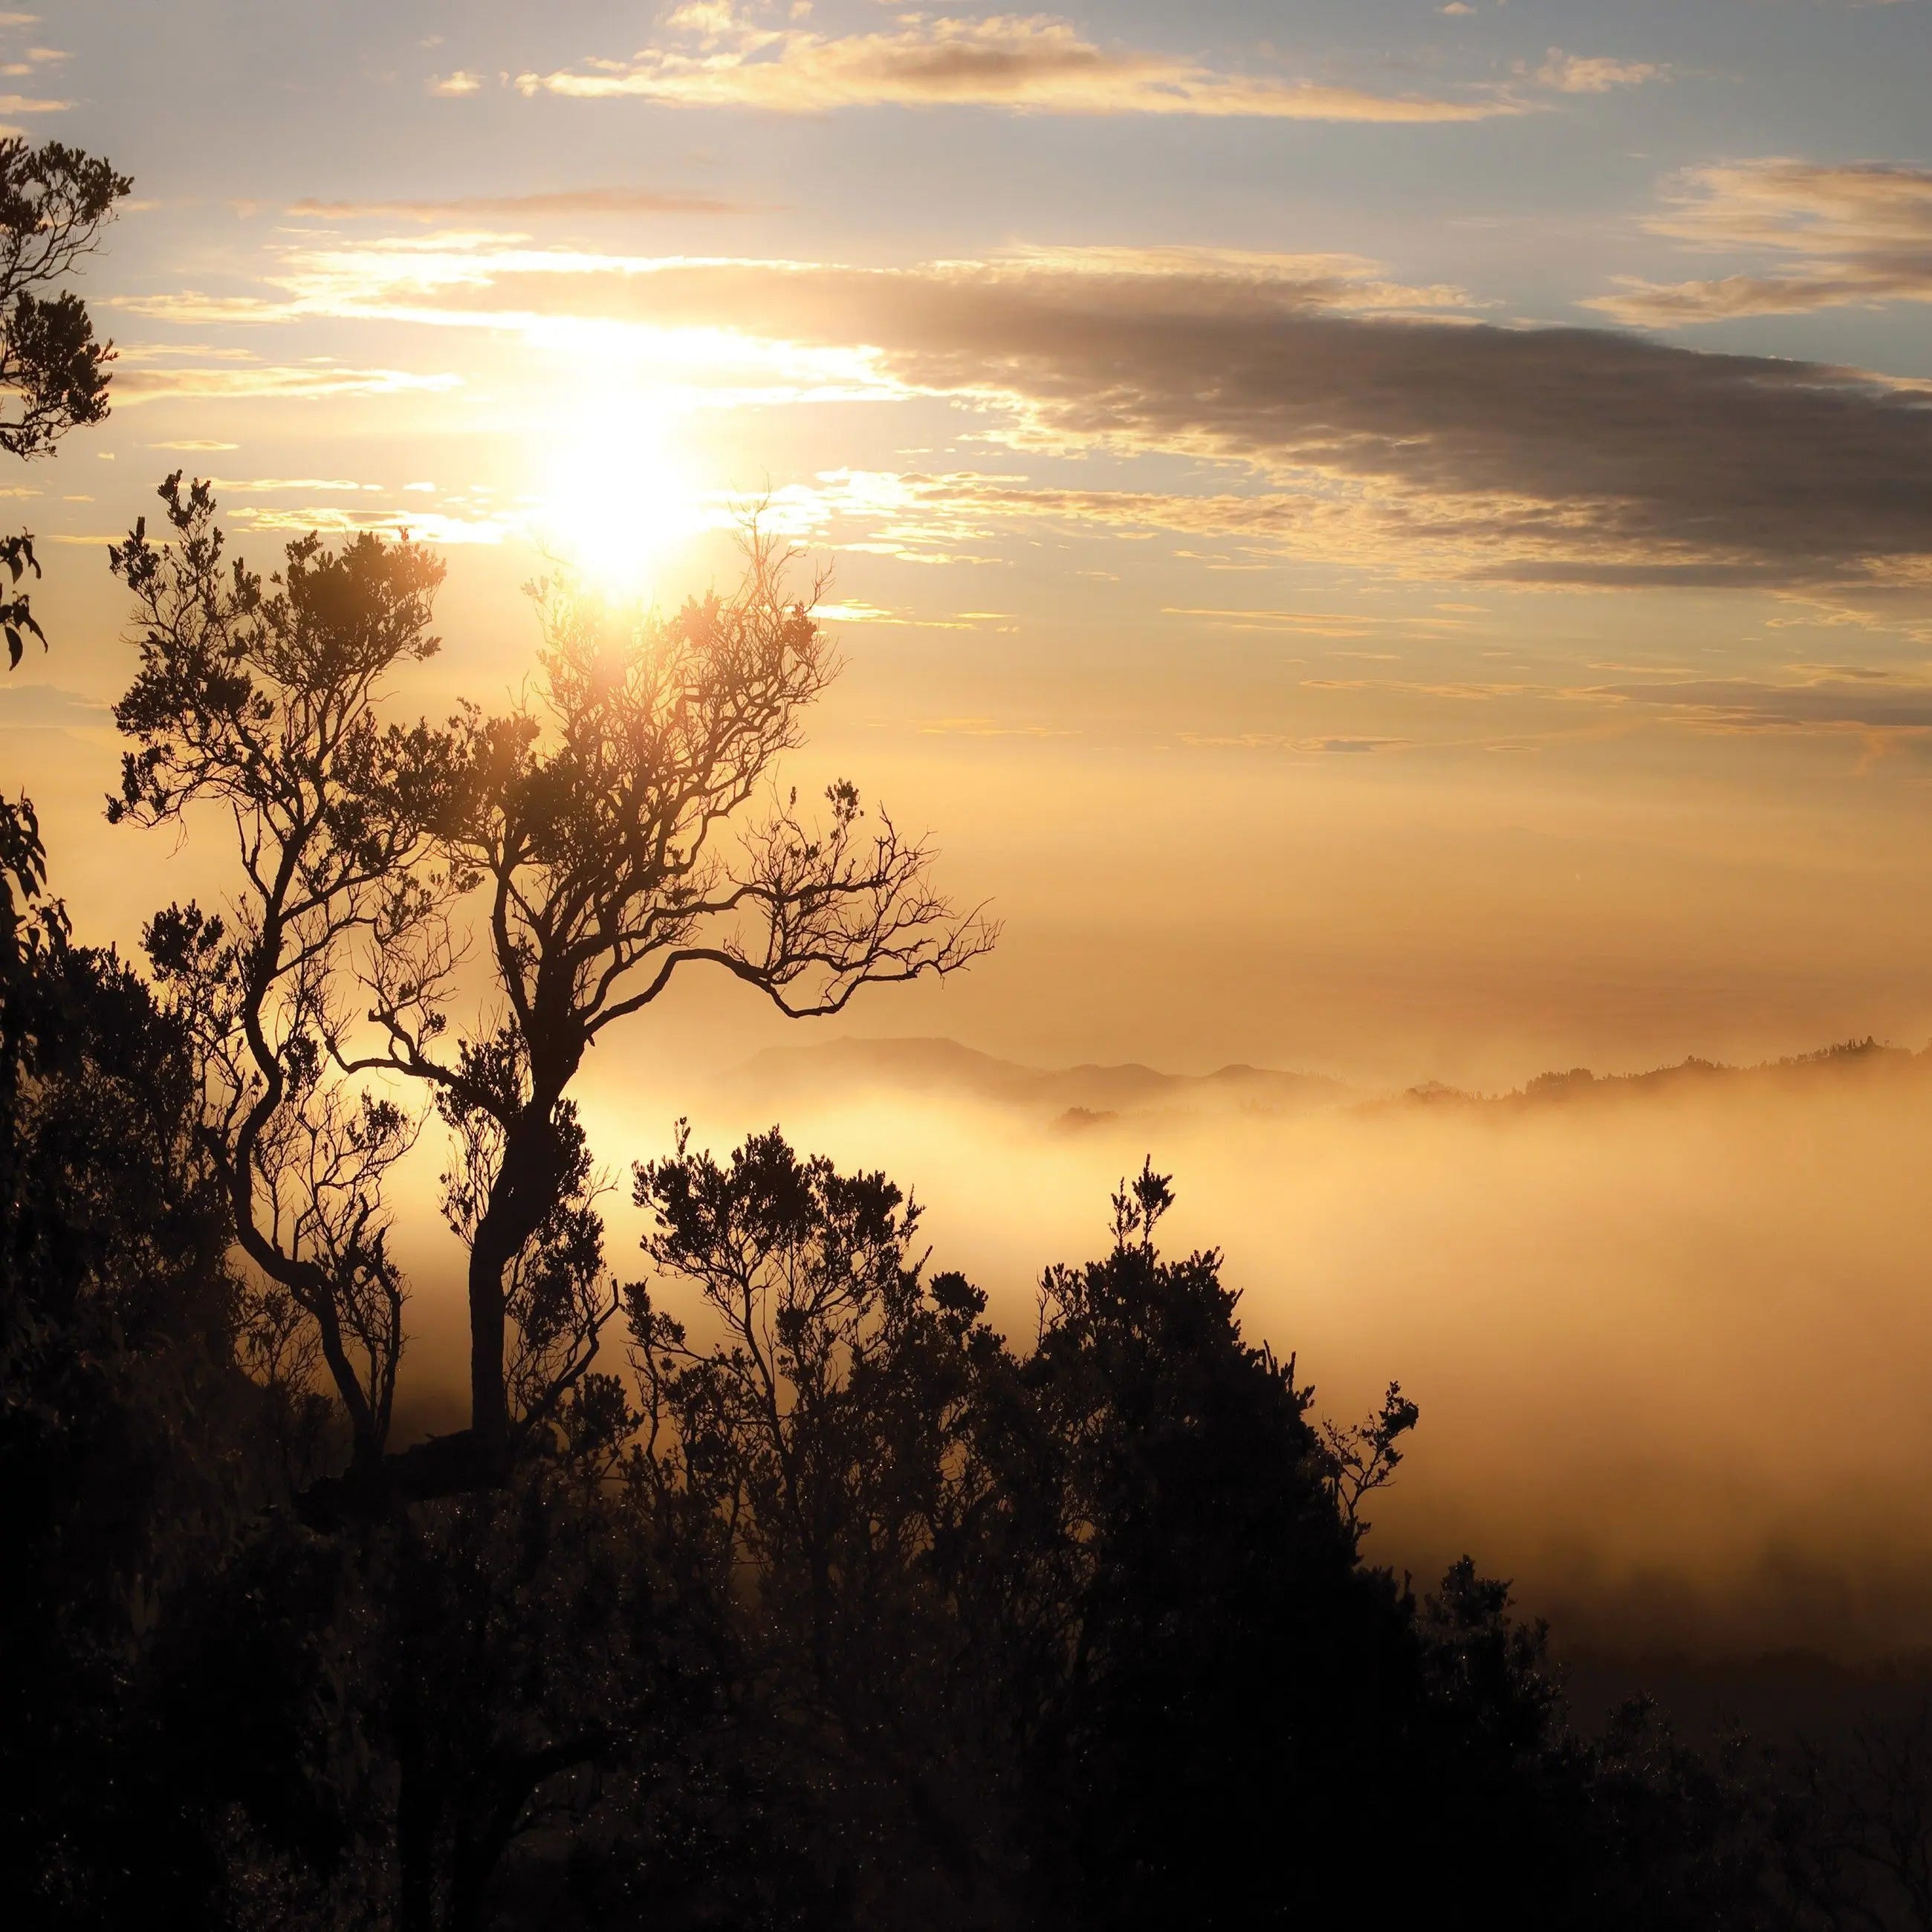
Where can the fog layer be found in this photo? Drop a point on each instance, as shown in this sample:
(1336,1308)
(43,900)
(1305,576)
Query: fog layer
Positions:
(1670,1340)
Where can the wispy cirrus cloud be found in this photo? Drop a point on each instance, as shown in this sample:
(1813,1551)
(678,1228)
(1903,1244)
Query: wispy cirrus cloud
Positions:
(1278,741)
(562,203)
(426,525)
(1581,73)
(51,707)
(238,381)
(273,486)
(1731,705)
(1844,233)
(962,516)
(720,57)
(1337,626)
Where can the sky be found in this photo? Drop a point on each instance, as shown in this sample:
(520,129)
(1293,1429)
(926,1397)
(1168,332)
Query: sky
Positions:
(1388,539)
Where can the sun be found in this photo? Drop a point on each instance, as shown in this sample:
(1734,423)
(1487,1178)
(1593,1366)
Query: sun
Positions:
(618,499)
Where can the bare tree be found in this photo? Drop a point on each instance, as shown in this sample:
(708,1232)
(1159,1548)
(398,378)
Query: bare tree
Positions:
(622,825)
(264,702)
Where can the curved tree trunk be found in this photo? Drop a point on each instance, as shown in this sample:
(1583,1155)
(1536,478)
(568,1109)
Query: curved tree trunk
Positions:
(522,1194)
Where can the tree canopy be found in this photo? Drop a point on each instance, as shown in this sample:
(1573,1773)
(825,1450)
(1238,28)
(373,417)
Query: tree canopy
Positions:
(620,826)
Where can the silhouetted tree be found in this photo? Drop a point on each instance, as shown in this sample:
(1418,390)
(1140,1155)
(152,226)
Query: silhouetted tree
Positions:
(424,1674)
(1232,1677)
(54,201)
(593,828)
(123,1413)
(615,825)
(264,703)
(1084,1636)
(828,1434)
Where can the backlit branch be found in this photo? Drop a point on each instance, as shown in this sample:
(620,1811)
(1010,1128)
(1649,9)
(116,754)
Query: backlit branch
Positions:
(262,699)
(605,825)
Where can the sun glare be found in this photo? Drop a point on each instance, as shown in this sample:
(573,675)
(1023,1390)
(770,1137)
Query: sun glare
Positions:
(618,500)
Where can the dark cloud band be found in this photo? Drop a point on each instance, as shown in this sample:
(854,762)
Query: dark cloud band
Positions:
(1557,455)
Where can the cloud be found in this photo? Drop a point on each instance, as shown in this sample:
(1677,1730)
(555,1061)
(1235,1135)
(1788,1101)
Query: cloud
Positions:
(1350,426)
(310,382)
(1850,232)
(1740,704)
(432,526)
(1276,741)
(989,727)
(1576,74)
(955,517)
(453,86)
(1029,62)
(566,203)
(1530,455)
(1352,282)
(266,486)
(30,64)
(50,707)
(1860,673)
(1330,624)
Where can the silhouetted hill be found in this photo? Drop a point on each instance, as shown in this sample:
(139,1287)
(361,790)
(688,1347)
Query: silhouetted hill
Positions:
(1854,1059)
(1075,1095)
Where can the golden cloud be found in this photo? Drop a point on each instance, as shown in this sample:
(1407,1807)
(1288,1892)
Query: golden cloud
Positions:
(1032,63)
(1852,232)
(149,384)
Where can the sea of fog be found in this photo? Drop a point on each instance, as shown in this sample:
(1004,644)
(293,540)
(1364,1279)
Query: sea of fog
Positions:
(1671,1343)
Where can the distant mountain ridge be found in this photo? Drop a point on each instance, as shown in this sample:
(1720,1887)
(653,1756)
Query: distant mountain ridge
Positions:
(1076,1093)
(1851,1056)
(1076,1097)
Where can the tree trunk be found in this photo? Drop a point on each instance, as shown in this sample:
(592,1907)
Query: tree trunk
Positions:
(490,1257)
(523,1193)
